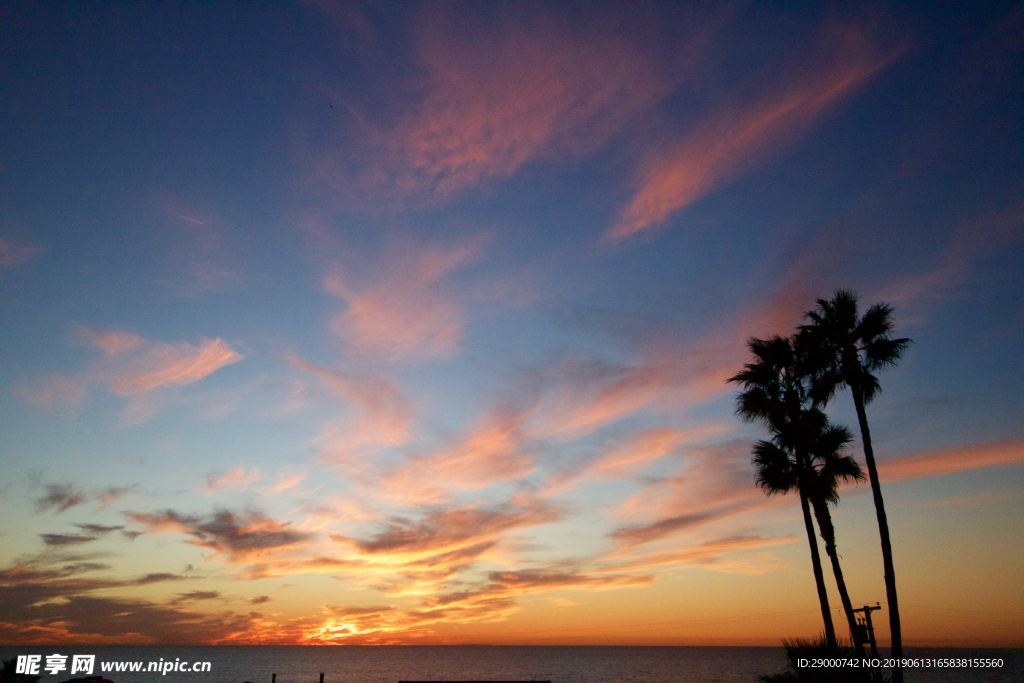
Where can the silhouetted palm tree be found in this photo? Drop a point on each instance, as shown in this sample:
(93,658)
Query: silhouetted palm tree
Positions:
(846,349)
(817,477)
(774,393)
(831,468)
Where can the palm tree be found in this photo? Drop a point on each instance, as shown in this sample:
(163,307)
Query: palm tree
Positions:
(831,467)
(817,478)
(846,350)
(774,393)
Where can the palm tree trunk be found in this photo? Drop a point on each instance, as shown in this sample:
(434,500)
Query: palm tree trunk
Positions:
(895,632)
(828,534)
(819,576)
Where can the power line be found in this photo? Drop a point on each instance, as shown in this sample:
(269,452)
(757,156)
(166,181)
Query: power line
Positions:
(1018,615)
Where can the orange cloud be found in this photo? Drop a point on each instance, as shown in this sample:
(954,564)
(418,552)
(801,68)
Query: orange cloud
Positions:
(712,483)
(491,453)
(286,482)
(628,458)
(640,450)
(952,460)
(709,555)
(174,365)
(408,312)
(732,140)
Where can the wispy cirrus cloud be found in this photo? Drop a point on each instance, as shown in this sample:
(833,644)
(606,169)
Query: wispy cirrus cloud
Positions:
(408,310)
(627,458)
(734,139)
(286,481)
(110,342)
(492,452)
(712,483)
(717,555)
(499,96)
(234,478)
(166,365)
(448,529)
(952,460)
(133,367)
(382,415)
(581,396)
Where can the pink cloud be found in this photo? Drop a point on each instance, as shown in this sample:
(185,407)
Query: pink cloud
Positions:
(641,450)
(407,311)
(952,460)
(134,367)
(163,365)
(734,139)
(110,342)
(666,378)
(495,98)
(383,416)
(628,458)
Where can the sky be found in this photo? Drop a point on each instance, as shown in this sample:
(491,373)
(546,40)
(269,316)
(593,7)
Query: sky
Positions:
(403,323)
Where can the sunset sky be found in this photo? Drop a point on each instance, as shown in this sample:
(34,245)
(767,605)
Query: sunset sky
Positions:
(410,323)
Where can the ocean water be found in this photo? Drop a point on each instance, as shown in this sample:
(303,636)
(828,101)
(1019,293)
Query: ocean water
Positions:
(569,664)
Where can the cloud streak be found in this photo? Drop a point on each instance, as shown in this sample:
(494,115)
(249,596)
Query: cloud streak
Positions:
(491,453)
(953,460)
(407,311)
(167,365)
(240,537)
(499,96)
(732,140)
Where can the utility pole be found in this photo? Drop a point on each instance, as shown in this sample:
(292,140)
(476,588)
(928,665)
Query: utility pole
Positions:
(867,631)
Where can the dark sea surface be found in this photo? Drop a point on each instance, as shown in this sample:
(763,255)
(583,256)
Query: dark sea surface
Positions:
(392,664)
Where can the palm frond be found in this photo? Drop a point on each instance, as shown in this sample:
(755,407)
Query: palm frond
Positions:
(775,471)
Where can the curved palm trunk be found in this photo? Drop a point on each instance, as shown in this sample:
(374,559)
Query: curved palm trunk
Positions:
(828,534)
(819,576)
(883,532)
